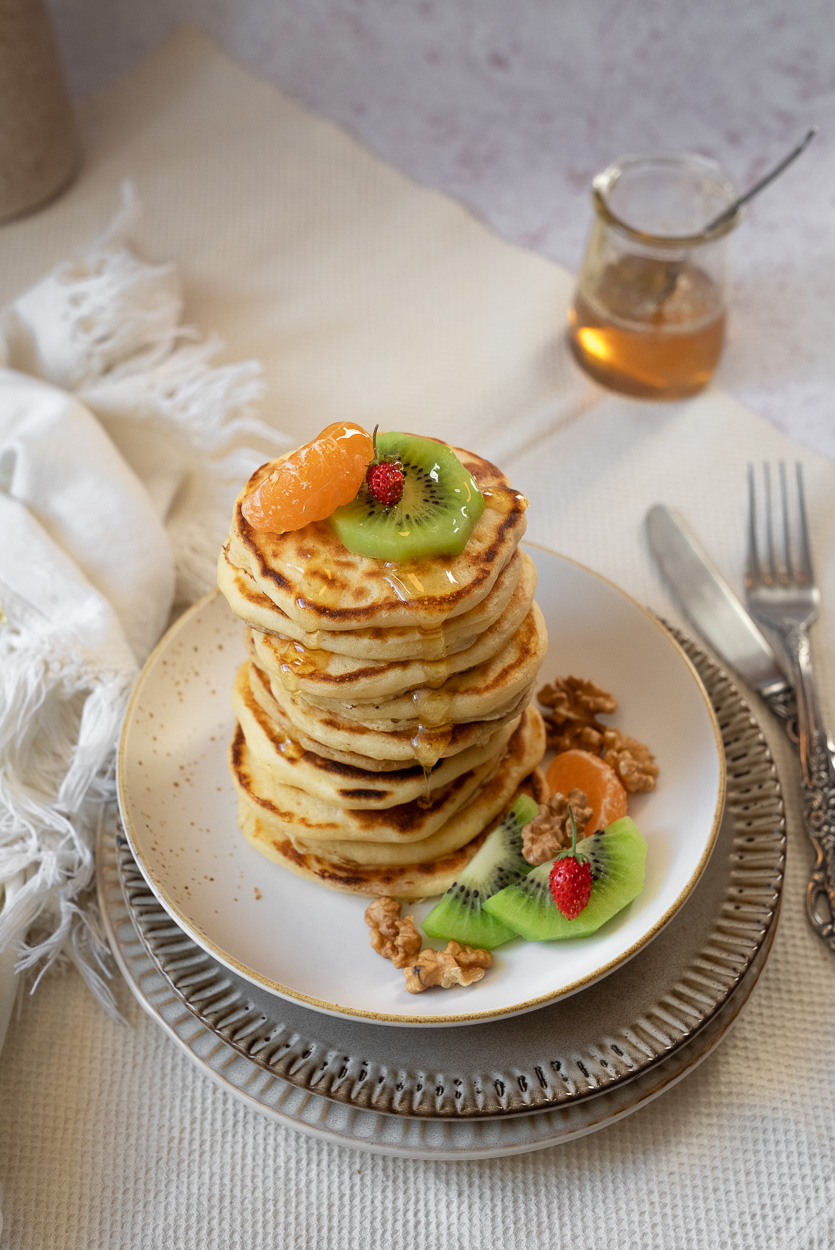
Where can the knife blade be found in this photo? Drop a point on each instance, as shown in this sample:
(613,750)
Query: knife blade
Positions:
(711,606)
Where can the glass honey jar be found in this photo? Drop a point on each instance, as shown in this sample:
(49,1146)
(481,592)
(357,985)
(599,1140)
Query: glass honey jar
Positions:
(648,317)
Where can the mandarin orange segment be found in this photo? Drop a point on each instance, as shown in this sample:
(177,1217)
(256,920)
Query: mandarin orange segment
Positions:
(607,797)
(312,482)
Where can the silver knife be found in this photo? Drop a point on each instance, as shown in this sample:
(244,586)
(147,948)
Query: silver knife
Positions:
(711,606)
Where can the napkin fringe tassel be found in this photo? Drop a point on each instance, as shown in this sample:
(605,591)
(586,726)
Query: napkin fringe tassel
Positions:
(59,719)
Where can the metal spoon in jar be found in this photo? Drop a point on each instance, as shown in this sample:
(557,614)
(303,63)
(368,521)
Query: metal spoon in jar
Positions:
(676,268)
(732,209)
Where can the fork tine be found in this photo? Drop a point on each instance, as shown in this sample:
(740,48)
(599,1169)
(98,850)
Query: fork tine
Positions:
(787,541)
(805,569)
(769,525)
(753,574)
(779,587)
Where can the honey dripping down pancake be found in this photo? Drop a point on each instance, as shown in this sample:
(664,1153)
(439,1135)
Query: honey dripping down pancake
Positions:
(318,670)
(481,692)
(340,781)
(375,836)
(383,716)
(388,740)
(295,738)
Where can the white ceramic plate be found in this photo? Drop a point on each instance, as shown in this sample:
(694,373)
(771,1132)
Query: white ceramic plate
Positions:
(302,941)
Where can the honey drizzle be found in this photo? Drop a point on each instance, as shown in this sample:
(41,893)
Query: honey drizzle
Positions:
(421,579)
(297,661)
(292,750)
(506,500)
(433,735)
(319,584)
(434,640)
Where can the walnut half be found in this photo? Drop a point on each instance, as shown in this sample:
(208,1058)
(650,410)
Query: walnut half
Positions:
(575,698)
(392,937)
(633,762)
(568,735)
(457,965)
(573,704)
(550,830)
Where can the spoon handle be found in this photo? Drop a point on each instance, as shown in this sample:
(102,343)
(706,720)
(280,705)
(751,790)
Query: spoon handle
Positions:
(729,212)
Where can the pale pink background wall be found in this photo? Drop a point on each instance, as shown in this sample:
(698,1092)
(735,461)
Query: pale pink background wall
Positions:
(511,106)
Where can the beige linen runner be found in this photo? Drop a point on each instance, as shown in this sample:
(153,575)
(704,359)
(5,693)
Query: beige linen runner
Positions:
(366,297)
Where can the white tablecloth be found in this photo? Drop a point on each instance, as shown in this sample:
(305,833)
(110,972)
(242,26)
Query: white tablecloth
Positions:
(366,296)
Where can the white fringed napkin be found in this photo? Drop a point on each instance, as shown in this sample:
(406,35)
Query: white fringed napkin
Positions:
(120,452)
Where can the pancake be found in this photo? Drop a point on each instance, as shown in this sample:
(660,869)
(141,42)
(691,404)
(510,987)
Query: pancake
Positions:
(480,693)
(523,753)
(342,784)
(397,643)
(261,690)
(403,881)
(389,740)
(435,712)
(319,584)
(408,882)
(260,686)
(412,870)
(326,674)
(318,821)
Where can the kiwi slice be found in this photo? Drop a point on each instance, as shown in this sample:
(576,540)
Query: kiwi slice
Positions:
(497,863)
(617,855)
(435,517)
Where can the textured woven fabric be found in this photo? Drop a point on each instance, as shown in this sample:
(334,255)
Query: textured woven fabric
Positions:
(364,295)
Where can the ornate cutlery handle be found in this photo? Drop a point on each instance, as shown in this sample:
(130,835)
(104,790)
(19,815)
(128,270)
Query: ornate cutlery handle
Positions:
(784,706)
(818,782)
(819,818)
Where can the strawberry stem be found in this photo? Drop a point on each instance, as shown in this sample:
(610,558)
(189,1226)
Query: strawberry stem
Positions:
(572,854)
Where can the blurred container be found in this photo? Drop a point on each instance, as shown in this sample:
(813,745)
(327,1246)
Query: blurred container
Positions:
(648,317)
(39,153)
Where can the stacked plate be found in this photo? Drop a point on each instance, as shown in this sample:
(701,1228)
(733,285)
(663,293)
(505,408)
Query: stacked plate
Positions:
(271,985)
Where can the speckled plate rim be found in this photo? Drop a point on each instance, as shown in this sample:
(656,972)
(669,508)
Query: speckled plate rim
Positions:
(359,1129)
(336,1009)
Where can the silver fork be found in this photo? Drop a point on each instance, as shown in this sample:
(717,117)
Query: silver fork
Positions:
(782,594)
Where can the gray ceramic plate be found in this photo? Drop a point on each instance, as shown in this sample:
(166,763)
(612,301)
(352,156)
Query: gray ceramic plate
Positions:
(561,1054)
(402,1136)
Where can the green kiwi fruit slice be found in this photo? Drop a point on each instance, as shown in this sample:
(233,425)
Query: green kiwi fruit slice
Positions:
(498,863)
(617,855)
(435,517)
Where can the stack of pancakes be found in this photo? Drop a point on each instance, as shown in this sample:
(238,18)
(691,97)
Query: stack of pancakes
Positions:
(383,713)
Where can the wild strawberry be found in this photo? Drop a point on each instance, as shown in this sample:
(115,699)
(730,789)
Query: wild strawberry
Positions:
(385,483)
(570,878)
(384,478)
